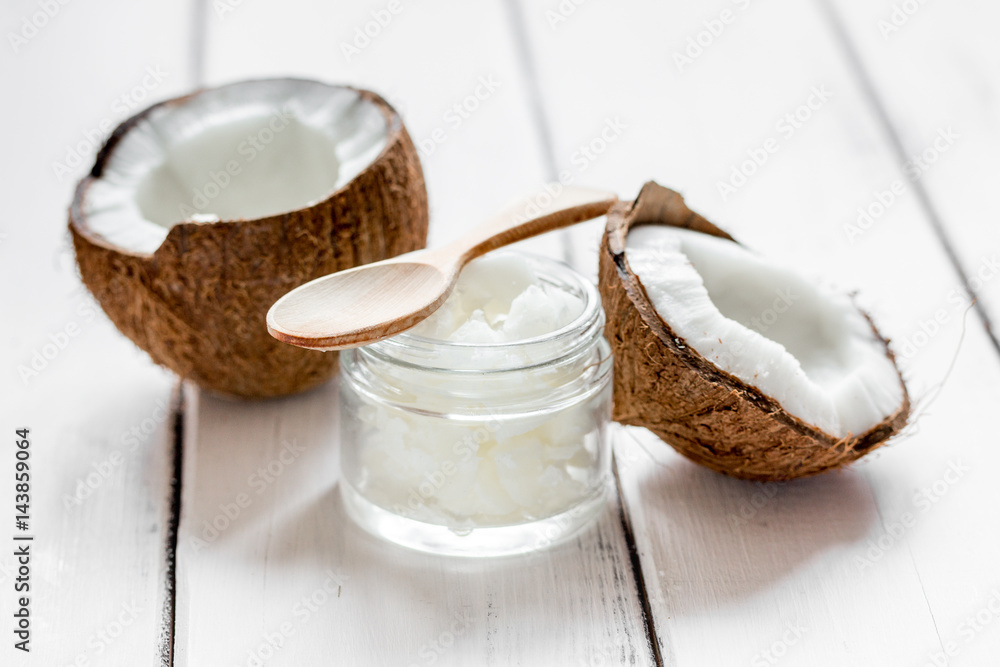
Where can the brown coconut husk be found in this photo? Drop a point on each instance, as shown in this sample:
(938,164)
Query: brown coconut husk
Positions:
(708,415)
(197,305)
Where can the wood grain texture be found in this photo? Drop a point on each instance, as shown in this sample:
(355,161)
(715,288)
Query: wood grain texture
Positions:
(885,563)
(936,80)
(99,411)
(270,564)
(858,563)
(931,73)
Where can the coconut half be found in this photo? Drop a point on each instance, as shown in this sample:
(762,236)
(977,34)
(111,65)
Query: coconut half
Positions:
(738,363)
(201,211)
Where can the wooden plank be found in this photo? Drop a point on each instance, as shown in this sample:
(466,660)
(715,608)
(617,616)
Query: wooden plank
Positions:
(935,77)
(934,72)
(735,569)
(270,564)
(291,575)
(98,410)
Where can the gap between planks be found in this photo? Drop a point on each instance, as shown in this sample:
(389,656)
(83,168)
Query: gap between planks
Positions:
(633,552)
(529,70)
(857,67)
(526,62)
(168,618)
(198,41)
(179,404)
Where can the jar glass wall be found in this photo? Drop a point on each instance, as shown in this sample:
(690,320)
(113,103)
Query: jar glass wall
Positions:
(480,449)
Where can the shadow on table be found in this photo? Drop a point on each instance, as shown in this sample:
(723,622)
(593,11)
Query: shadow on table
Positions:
(715,538)
(709,539)
(295,533)
(584,583)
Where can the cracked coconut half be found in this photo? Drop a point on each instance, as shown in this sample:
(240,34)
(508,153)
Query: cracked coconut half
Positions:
(739,364)
(200,212)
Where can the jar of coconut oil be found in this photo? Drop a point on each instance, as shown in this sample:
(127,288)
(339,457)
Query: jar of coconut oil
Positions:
(482,431)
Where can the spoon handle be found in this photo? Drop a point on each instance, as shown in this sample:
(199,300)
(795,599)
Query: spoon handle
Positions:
(553,207)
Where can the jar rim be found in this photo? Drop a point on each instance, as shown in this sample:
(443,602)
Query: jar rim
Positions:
(409,348)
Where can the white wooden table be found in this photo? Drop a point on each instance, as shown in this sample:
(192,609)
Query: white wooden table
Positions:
(892,562)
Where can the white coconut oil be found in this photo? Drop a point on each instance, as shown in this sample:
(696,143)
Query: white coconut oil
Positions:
(482,430)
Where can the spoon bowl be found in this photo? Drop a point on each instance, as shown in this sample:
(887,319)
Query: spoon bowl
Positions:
(387,310)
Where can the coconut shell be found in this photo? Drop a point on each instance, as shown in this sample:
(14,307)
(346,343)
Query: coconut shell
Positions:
(708,415)
(198,303)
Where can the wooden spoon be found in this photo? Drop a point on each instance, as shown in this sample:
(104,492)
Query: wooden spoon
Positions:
(378,300)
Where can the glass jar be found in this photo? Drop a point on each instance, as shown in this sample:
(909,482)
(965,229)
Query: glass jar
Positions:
(480,449)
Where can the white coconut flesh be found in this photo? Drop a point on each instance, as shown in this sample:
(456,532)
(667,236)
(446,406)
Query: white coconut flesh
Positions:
(798,342)
(241,151)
